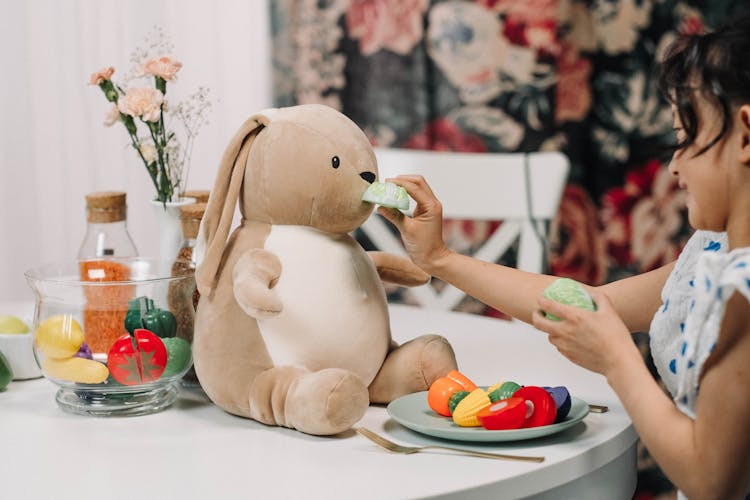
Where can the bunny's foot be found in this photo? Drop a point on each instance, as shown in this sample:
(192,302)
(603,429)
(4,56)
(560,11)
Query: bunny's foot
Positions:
(412,367)
(321,403)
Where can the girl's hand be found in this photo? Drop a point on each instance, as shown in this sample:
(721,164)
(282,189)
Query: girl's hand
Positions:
(596,340)
(422,233)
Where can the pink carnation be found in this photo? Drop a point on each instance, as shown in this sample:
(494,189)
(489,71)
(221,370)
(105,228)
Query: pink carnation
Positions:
(144,102)
(101,75)
(165,67)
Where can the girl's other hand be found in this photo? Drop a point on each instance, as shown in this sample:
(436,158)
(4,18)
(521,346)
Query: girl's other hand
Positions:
(422,233)
(596,340)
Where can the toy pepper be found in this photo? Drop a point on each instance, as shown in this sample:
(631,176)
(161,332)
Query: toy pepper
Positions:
(143,314)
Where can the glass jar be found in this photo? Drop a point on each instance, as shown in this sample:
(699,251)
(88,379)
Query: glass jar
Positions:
(106,230)
(109,344)
(184,265)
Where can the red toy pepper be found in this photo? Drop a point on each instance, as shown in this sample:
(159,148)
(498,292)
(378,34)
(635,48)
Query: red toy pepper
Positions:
(138,359)
(504,414)
(543,409)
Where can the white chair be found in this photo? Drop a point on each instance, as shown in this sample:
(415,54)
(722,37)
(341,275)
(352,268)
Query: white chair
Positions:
(522,190)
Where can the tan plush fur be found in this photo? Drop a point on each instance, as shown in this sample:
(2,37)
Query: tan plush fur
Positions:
(292,328)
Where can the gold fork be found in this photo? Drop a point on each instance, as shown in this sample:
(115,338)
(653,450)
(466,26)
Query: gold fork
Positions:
(397,448)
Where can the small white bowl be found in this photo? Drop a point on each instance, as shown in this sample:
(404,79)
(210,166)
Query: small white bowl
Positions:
(18,349)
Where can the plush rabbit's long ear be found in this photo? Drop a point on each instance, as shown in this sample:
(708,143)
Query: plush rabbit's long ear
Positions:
(217,220)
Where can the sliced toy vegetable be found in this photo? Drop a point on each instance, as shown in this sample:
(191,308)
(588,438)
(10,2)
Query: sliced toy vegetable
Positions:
(443,388)
(506,390)
(456,398)
(138,359)
(465,413)
(541,406)
(569,292)
(562,401)
(502,415)
(387,194)
(462,379)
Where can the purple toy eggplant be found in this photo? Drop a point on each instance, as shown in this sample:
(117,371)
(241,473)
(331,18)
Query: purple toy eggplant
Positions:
(562,401)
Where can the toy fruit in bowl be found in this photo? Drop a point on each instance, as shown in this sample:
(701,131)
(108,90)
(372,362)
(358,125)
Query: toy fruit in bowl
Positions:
(105,334)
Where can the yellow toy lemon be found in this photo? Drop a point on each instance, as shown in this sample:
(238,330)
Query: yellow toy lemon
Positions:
(59,336)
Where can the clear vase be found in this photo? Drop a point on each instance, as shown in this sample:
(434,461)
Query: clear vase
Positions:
(169,227)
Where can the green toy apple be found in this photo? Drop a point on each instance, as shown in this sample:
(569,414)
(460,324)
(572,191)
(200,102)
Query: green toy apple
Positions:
(12,324)
(569,292)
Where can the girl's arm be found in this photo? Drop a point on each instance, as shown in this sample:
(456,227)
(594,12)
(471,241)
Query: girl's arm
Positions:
(516,292)
(708,457)
(507,289)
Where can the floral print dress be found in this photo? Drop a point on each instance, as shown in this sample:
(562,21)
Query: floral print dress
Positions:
(685,330)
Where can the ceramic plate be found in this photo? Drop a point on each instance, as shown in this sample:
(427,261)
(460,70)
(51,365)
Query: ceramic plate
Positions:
(413,412)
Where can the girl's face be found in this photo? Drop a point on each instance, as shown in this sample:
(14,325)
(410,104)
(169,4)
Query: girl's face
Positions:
(705,177)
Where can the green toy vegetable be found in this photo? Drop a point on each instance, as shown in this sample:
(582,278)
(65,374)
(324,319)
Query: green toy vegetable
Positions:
(569,292)
(6,374)
(142,314)
(179,356)
(387,194)
(505,391)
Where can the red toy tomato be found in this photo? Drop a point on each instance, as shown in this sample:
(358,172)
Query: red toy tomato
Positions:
(138,359)
(443,388)
(504,414)
(543,409)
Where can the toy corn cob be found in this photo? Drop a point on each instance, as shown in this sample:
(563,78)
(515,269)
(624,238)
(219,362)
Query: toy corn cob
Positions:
(465,413)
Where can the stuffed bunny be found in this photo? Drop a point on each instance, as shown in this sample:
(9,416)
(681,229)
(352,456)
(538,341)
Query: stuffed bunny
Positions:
(292,327)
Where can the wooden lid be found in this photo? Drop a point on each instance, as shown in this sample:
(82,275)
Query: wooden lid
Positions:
(190,218)
(200,195)
(106,206)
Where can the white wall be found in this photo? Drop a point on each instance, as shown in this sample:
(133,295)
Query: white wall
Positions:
(53,146)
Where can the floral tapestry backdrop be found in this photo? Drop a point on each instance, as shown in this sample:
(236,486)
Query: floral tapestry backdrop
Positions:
(515,75)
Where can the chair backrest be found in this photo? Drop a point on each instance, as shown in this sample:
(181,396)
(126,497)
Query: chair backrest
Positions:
(521,189)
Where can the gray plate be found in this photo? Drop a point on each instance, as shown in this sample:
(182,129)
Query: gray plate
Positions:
(412,411)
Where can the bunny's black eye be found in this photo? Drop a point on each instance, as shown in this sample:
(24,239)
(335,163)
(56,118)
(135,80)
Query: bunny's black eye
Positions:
(335,162)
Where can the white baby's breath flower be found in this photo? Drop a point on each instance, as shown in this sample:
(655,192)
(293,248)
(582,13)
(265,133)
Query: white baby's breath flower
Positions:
(112,116)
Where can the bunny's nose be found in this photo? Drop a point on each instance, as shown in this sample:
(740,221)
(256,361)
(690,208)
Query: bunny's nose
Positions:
(368,176)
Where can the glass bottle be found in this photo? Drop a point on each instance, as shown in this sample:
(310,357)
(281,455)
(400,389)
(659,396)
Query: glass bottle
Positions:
(184,264)
(106,230)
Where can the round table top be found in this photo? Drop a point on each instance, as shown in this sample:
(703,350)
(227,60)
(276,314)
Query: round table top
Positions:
(195,450)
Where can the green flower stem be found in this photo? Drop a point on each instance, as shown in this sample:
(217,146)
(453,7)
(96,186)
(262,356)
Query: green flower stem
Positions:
(137,146)
(165,188)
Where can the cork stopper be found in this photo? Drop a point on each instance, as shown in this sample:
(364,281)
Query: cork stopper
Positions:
(190,217)
(200,195)
(106,206)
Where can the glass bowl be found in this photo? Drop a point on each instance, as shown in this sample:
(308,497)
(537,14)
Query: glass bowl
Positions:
(114,334)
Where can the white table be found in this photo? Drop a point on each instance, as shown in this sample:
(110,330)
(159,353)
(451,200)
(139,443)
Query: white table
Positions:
(193,450)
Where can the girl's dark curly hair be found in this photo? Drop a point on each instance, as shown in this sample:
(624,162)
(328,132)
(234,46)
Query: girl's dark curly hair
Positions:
(716,65)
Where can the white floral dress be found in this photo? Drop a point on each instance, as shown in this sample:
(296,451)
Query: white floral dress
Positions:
(685,329)
(667,331)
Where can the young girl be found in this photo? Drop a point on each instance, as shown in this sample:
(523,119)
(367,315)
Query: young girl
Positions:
(699,323)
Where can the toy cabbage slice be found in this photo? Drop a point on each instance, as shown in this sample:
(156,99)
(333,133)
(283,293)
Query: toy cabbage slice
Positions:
(387,194)
(569,292)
